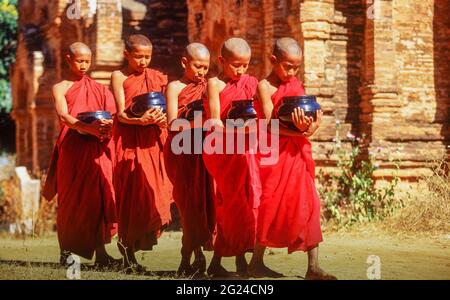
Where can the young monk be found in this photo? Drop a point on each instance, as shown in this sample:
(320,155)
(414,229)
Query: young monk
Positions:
(236,175)
(81,165)
(141,184)
(192,185)
(289,212)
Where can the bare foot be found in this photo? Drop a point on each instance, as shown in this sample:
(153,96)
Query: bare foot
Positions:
(318,274)
(241,265)
(134,268)
(185,269)
(217,271)
(199,265)
(107,262)
(260,271)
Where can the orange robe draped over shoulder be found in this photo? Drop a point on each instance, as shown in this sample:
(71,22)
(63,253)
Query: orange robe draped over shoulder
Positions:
(289,212)
(192,185)
(81,174)
(140,181)
(238,183)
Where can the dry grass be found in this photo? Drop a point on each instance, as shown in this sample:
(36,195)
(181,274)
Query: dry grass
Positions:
(427,209)
(10,209)
(9,206)
(46,220)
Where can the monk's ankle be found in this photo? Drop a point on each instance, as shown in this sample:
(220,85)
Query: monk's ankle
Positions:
(314,269)
(241,265)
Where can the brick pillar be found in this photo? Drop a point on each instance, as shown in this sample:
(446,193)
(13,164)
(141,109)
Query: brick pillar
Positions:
(108,40)
(316,18)
(380,101)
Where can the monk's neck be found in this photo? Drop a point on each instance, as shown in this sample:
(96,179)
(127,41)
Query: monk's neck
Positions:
(227,79)
(130,71)
(274,80)
(74,77)
(186,80)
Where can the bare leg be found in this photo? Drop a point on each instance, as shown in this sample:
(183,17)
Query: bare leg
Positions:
(241,265)
(314,271)
(101,256)
(129,259)
(103,259)
(185,264)
(199,264)
(257,268)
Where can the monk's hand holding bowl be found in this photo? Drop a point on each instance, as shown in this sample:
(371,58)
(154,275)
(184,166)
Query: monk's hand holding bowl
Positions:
(162,121)
(301,121)
(314,125)
(96,128)
(151,116)
(105,129)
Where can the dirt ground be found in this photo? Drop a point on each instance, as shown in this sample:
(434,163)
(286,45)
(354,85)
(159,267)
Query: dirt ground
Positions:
(344,254)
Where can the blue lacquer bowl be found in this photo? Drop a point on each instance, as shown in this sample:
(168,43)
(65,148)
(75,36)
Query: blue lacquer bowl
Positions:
(144,102)
(91,116)
(242,109)
(191,108)
(307,103)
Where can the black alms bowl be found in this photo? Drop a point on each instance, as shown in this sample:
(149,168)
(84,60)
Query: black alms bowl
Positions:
(191,108)
(306,102)
(91,116)
(242,109)
(144,102)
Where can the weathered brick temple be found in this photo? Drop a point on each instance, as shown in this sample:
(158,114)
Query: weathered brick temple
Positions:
(381,68)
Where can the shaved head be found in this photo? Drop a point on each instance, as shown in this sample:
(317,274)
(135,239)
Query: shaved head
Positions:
(79,48)
(235,47)
(196,50)
(136,40)
(286,46)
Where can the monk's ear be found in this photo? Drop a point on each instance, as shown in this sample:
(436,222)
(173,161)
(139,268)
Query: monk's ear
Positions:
(221,59)
(273,59)
(126,53)
(68,58)
(184,62)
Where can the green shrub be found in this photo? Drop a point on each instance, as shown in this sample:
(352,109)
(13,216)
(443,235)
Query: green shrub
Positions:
(8,44)
(350,195)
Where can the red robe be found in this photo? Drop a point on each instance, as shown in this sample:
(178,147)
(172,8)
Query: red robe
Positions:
(80,173)
(192,185)
(238,183)
(289,213)
(140,180)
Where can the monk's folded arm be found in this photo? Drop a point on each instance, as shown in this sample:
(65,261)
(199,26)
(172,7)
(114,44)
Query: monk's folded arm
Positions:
(62,111)
(264,97)
(213,99)
(172,102)
(286,131)
(122,117)
(76,124)
(117,79)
